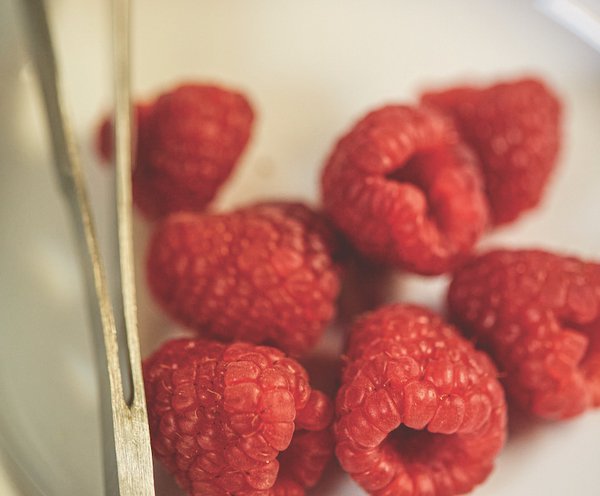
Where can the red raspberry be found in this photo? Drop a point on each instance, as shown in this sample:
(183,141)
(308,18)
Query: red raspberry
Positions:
(236,419)
(105,138)
(264,273)
(539,315)
(404,191)
(515,129)
(189,141)
(420,411)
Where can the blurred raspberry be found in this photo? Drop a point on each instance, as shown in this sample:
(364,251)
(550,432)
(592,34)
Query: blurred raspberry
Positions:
(420,411)
(189,140)
(405,191)
(265,273)
(105,138)
(514,127)
(366,286)
(236,419)
(539,315)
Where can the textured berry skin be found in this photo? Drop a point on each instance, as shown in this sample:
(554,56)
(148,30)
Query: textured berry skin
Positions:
(264,274)
(189,141)
(420,411)
(539,315)
(514,127)
(405,191)
(236,418)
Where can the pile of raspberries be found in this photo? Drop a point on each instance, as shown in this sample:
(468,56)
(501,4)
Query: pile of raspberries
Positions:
(421,402)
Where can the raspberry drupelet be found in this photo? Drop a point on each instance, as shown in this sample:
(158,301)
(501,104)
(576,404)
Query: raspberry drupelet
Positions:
(236,419)
(405,191)
(419,411)
(538,314)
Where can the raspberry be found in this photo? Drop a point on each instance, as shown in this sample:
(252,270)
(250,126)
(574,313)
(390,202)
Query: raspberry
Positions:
(405,191)
(236,419)
(265,273)
(514,127)
(189,141)
(420,411)
(539,315)
(104,134)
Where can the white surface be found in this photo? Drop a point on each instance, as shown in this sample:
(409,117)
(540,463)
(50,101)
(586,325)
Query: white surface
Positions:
(310,68)
(6,484)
